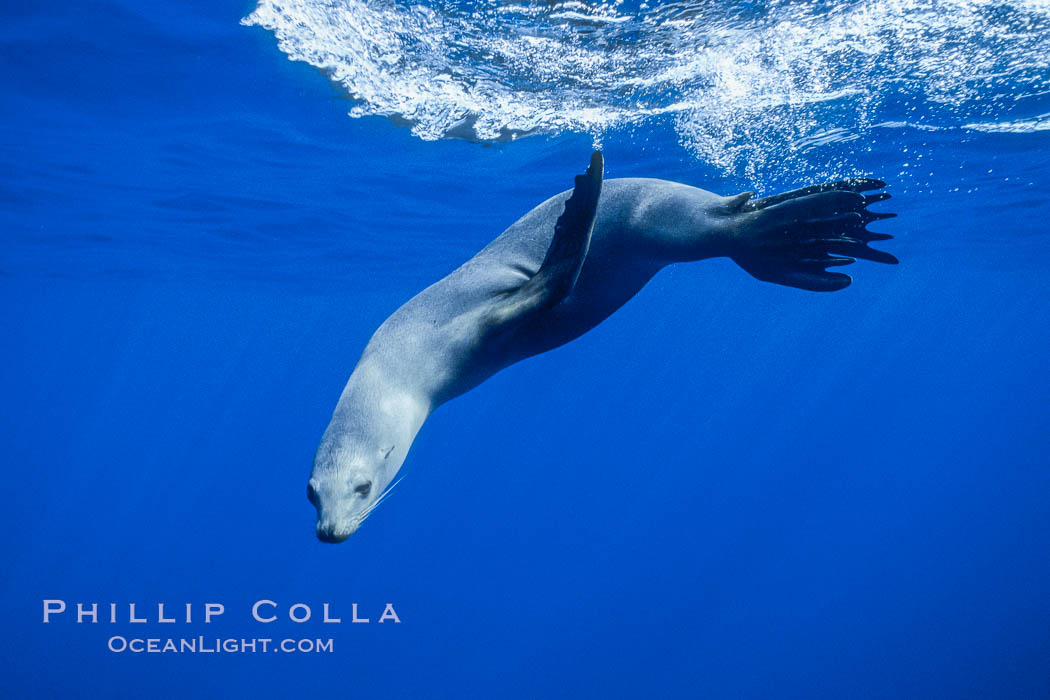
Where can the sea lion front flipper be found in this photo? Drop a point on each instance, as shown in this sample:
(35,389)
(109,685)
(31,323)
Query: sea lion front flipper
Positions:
(561,266)
(572,237)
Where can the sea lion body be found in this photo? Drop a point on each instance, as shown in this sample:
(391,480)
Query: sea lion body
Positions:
(550,277)
(432,334)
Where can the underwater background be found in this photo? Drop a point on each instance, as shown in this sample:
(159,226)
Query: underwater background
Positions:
(727,489)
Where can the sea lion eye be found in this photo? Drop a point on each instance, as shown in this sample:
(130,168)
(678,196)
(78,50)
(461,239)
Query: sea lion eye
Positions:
(364,489)
(311,494)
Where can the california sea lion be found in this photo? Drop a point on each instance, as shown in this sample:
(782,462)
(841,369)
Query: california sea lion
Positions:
(556,273)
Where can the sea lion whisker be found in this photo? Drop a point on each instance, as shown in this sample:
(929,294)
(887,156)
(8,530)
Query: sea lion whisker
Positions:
(382,497)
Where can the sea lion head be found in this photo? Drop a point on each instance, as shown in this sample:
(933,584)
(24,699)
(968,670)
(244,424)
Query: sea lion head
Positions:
(362,449)
(346,485)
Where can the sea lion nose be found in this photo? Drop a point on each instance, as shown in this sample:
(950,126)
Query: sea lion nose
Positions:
(329,533)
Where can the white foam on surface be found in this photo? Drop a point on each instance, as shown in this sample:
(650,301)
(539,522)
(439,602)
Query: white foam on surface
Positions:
(747,86)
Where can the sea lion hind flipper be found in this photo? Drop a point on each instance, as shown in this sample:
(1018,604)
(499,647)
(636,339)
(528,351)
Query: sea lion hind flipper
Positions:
(797,235)
(810,275)
(853,184)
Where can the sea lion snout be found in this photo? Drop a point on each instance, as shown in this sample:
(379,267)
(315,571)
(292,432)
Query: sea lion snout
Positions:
(335,527)
(341,506)
(328,532)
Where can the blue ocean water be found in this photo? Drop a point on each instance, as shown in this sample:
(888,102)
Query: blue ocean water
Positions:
(728,489)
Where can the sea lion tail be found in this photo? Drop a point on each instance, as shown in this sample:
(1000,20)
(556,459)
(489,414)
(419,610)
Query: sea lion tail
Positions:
(795,236)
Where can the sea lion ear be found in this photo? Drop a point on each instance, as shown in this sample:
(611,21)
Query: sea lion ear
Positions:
(385,451)
(735,204)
